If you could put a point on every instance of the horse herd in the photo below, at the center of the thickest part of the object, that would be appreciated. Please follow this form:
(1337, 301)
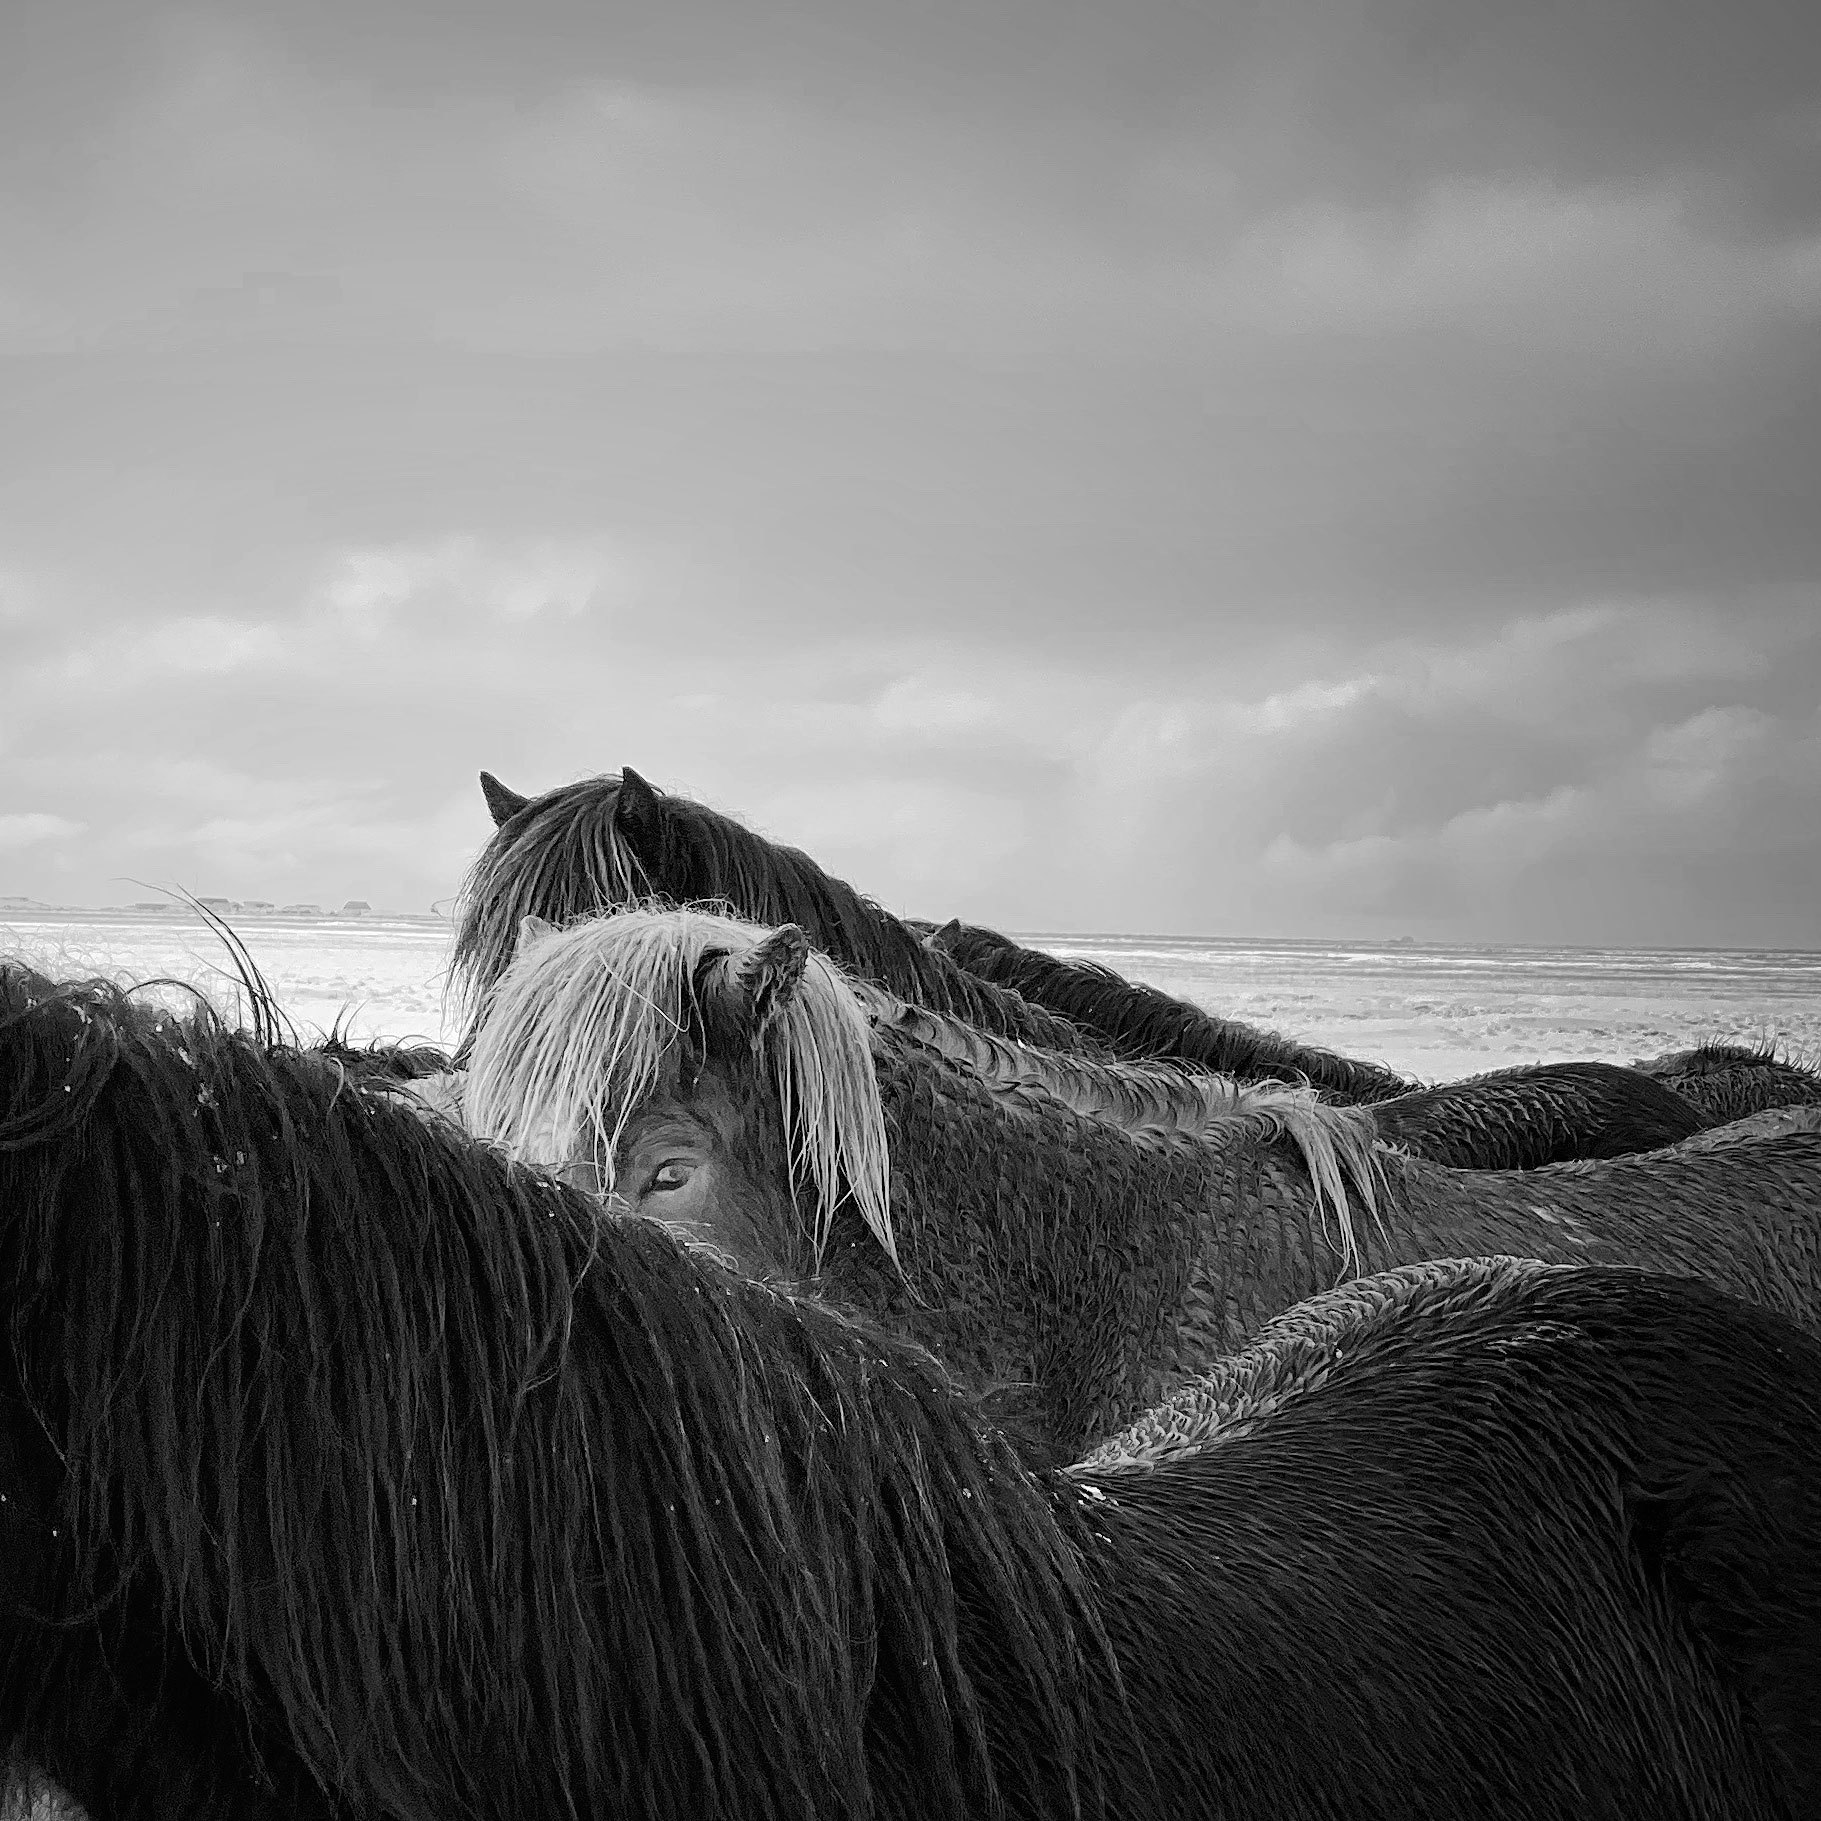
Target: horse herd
(791, 1361)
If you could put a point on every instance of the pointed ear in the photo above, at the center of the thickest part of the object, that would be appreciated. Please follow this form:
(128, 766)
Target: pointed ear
(534, 931)
(762, 981)
(943, 939)
(502, 804)
(636, 802)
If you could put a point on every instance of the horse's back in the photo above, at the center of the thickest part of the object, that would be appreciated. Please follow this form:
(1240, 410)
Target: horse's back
(1524, 1118)
(1745, 1216)
(1548, 1550)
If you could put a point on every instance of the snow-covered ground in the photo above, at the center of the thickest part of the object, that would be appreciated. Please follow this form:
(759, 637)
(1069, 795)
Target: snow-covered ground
(1440, 1012)
(382, 975)
(1430, 1011)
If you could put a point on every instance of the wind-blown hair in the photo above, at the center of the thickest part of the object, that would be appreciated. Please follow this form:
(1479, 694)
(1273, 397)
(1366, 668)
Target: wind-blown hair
(471, 1504)
(1139, 1020)
(583, 1027)
(586, 847)
(383, 1059)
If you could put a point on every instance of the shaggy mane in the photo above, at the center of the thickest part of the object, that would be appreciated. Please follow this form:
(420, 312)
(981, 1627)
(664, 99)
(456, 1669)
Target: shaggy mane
(1707, 1057)
(579, 1033)
(560, 858)
(482, 1505)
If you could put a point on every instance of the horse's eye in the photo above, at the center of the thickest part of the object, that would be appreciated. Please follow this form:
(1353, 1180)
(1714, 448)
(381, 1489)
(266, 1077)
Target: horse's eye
(671, 1175)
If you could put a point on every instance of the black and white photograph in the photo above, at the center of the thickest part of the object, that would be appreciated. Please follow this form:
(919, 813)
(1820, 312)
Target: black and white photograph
(910, 912)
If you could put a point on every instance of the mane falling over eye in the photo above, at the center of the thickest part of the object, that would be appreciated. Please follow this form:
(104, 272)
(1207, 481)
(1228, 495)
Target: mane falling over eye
(580, 1033)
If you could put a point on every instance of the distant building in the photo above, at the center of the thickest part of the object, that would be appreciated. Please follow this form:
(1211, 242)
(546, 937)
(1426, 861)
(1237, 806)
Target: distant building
(301, 910)
(150, 904)
(355, 907)
(220, 906)
(261, 907)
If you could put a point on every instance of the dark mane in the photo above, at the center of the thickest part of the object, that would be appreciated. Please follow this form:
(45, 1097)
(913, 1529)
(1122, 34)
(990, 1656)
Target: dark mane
(471, 1504)
(580, 849)
(1707, 1058)
(1140, 1021)
(383, 1059)
(1729, 1081)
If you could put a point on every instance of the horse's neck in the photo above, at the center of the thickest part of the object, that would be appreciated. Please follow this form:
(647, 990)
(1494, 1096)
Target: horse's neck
(1037, 1244)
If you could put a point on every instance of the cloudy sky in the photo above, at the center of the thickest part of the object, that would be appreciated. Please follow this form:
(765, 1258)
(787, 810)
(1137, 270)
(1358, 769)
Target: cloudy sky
(1313, 467)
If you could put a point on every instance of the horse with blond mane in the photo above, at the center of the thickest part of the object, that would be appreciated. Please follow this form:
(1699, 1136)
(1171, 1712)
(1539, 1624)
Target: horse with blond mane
(351, 1471)
(1072, 1260)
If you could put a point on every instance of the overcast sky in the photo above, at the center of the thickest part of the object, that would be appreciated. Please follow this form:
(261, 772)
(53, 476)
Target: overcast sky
(1321, 467)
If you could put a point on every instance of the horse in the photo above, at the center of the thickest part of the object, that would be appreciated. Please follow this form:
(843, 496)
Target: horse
(585, 847)
(439, 1495)
(1071, 1268)
(1729, 1081)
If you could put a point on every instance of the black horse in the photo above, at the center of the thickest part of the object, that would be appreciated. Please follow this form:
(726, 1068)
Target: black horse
(366, 1475)
(587, 847)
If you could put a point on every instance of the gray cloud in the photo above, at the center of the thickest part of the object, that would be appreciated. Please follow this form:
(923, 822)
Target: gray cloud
(1296, 467)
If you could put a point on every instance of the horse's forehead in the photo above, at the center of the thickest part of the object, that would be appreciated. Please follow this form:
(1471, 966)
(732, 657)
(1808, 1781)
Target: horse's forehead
(695, 1097)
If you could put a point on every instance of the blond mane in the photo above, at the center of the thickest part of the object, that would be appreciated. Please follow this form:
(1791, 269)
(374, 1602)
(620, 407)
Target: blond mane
(578, 1033)
(1337, 1144)
(1339, 1147)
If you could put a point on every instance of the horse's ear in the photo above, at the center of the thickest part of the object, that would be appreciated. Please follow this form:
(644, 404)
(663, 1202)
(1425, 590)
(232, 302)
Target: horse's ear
(635, 803)
(943, 939)
(764, 979)
(533, 932)
(502, 804)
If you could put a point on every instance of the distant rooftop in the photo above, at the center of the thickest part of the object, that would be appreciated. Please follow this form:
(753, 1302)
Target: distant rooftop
(19, 904)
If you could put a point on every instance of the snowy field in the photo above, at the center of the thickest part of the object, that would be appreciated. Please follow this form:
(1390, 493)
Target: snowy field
(1434, 1012)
